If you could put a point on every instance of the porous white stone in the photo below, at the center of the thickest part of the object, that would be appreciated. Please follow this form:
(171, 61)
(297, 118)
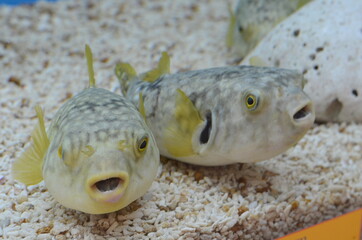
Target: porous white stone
(323, 40)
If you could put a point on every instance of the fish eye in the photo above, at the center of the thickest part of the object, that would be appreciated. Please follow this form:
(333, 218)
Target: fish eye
(142, 144)
(251, 101)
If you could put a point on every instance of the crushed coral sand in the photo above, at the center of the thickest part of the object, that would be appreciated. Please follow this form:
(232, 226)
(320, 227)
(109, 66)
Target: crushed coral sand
(42, 62)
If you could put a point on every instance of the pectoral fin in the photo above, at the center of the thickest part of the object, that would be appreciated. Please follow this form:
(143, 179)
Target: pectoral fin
(125, 73)
(180, 130)
(28, 167)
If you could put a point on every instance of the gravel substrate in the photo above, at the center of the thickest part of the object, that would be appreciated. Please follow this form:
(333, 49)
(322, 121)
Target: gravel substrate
(42, 62)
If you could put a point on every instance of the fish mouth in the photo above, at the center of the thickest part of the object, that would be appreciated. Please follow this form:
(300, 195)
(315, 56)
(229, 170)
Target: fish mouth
(108, 187)
(304, 114)
(109, 184)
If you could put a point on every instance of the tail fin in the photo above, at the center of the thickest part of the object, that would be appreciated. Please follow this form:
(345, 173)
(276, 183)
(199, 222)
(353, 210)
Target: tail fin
(28, 167)
(89, 57)
(125, 73)
(162, 68)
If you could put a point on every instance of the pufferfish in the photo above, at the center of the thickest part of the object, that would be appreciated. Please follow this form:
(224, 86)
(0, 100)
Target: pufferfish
(252, 20)
(221, 115)
(98, 154)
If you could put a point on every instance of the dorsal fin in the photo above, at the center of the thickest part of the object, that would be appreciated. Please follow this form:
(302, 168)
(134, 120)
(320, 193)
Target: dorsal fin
(182, 127)
(162, 68)
(125, 73)
(89, 57)
(231, 28)
(28, 167)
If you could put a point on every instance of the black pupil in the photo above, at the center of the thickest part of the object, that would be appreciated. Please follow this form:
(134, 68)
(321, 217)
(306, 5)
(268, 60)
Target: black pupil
(250, 101)
(143, 144)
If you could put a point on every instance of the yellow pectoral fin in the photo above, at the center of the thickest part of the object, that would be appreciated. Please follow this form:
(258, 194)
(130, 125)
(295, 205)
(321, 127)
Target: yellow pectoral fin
(162, 68)
(125, 73)
(179, 132)
(28, 167)
(125, 70)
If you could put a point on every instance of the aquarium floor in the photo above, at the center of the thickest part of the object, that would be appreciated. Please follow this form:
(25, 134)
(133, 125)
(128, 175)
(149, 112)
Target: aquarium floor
(42, 62)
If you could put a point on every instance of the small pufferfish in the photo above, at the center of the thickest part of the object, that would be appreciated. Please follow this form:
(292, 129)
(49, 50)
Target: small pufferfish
(98, 154)
(253, 20)
(221, 115)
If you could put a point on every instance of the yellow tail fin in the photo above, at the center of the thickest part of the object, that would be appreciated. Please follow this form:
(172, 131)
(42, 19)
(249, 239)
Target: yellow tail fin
(162, 68)
(28, 167)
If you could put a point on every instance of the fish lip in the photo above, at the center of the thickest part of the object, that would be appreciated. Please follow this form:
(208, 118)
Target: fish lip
(115, 198)
(111, 196)
(303, 114)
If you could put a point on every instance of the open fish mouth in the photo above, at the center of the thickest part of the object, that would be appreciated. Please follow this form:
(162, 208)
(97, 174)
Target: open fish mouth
(304, 113)
(108, 187)
(109, 184)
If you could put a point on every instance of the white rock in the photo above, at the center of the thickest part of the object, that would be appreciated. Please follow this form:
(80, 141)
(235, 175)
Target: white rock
(324, 41)
(59, 228)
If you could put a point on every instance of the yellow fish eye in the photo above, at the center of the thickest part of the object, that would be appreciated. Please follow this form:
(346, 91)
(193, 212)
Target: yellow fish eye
(251, 101)
(142, 144)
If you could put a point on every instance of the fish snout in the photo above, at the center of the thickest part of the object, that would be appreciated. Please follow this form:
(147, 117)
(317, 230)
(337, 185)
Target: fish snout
(108, 187)
(303, 114)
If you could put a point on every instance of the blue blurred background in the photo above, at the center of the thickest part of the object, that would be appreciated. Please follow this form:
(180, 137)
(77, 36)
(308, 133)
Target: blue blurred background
(18, 2)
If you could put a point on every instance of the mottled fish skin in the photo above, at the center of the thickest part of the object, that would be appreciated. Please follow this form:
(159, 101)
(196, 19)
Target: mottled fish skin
(85, 138)
(98, 154)
(237, 134)
(255, 18)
